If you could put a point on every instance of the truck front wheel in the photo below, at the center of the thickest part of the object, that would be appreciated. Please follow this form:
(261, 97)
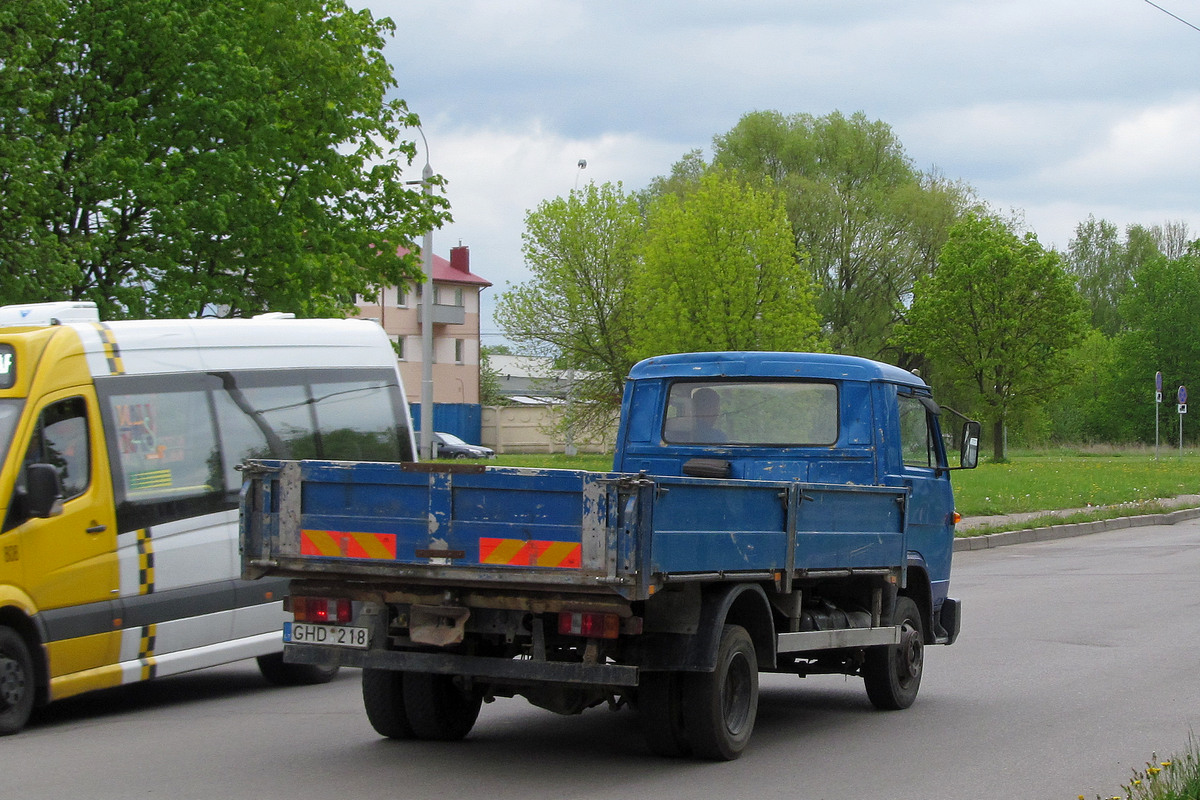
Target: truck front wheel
(383, 699)
(893, 673)
(17, 686)
(438, 708)
(719, 707)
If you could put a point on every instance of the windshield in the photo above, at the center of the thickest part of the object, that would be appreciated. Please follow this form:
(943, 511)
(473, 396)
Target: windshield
(752, 413)
(450, 438)
(10, 412)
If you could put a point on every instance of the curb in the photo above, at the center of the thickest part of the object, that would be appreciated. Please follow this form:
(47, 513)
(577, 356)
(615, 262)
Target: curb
(989, 540)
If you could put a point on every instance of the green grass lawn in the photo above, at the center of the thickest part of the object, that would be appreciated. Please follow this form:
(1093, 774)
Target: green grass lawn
(1030, 481)
(1052, 481)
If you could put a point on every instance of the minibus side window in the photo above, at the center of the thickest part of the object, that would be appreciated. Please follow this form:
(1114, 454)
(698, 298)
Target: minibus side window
(356, 421)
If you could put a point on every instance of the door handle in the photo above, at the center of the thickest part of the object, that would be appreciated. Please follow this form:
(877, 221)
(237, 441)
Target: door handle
(97, 529)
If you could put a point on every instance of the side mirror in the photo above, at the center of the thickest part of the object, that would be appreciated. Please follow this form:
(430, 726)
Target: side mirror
(44, 493)
(969, 454)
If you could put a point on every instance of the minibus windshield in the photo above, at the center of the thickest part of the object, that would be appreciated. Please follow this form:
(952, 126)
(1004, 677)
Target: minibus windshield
(10, 412)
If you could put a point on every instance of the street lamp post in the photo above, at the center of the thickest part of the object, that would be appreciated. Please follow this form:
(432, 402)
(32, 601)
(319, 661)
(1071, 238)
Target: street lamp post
(425, 435)
(427, 324)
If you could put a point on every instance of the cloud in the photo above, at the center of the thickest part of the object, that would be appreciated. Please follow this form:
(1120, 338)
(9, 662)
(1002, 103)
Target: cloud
(1155, 147)
(494, 176)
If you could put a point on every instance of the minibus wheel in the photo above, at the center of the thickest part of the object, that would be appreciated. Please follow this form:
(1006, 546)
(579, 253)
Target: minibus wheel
(17, 686)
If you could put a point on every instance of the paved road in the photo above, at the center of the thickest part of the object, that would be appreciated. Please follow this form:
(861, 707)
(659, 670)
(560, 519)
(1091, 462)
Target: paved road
(1079, 658)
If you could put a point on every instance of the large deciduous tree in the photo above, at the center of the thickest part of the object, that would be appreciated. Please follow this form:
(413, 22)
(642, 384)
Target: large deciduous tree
(867, 222)
(1000, 314)
(163, 157)
(1162, 336)
(719, 272)
(581, 251)
(1096, 256)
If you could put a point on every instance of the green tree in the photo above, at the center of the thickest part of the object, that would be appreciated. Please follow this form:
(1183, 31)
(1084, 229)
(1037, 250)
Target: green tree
(719, 272)
(866, 221)
(1096, 256)
(165, 156)
(1000, 314)
(581, 251)
(1162, 336)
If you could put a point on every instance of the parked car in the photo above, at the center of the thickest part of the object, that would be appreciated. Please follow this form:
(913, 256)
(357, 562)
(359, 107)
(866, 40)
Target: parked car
(447, 445)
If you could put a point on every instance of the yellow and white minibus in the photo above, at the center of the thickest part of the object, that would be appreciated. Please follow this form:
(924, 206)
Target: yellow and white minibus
(119, 445)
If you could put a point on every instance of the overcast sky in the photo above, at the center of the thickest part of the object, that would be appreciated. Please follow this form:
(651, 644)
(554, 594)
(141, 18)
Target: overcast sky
(1056, 109)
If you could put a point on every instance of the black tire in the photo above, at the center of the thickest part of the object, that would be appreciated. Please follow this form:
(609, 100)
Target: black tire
(18, 686)
(437, 708)
(719, 707)
(893, 673)
(280, 673)
(660, 713)
(383, 699)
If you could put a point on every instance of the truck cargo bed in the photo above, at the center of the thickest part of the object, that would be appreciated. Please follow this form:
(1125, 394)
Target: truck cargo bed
(555, 529)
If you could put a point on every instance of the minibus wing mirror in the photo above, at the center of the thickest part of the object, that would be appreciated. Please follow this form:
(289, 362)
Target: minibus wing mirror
(44, 490)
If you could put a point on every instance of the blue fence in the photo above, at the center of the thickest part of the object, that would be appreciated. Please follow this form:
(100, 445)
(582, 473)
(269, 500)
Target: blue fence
(464, 420)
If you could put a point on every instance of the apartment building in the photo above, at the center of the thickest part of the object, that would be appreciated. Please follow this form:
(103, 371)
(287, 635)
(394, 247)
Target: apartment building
(456, 322)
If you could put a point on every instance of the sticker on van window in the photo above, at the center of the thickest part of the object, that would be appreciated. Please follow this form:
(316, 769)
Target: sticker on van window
(8, 366)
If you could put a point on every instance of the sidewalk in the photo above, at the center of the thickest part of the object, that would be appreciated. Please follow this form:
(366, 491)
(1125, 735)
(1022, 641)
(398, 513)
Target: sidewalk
(1176, 509)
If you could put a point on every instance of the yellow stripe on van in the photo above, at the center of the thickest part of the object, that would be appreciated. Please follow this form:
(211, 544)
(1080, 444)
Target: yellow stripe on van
(112, 353)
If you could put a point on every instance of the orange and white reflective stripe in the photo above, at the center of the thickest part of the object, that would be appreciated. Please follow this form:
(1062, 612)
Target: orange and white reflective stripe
(341, 544)
(519, 552)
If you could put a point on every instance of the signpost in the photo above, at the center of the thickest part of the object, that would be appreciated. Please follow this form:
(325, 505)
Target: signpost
(1182, 409)
(1157, 401)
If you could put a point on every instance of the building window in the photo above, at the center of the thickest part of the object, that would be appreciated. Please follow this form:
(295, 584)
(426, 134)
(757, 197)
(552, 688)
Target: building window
(459, 346)
(398, 345)
(448, 295)
(402, 297)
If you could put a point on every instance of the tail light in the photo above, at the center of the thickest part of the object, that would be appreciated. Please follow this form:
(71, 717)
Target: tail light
(322, 610)
(591, 624)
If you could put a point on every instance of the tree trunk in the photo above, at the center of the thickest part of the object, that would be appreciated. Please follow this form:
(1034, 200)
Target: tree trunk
(998, 452)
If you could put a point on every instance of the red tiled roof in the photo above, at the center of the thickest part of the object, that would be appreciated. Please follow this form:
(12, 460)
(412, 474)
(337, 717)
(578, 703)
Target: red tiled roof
(446, 272)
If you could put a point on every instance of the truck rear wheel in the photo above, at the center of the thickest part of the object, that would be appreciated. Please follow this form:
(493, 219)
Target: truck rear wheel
(383, 699)
(438, 708)
(719, 707)
(17, 685)
(660, 713)
(893, 673)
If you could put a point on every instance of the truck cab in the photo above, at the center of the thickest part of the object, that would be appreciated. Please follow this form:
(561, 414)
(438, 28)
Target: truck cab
(807, 417)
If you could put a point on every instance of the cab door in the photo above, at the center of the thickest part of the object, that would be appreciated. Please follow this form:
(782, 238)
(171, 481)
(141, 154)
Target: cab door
(922, 469)
(69, 559)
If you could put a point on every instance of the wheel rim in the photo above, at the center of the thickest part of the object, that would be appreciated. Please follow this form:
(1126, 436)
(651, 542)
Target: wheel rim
(12, 682)
(735, 694)
(910, 655)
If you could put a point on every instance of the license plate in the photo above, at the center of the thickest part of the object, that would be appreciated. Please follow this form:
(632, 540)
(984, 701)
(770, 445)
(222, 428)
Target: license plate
(336, 635)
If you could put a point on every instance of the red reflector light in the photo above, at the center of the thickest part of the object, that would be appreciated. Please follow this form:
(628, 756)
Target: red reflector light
(591, 624)
(322, 610)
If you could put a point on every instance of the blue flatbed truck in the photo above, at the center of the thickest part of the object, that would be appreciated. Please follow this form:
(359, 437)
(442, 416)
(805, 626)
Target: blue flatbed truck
(766, 512)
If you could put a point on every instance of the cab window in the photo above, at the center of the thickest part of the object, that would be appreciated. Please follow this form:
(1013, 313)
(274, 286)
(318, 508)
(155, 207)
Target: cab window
(916, 440)
(61, 439)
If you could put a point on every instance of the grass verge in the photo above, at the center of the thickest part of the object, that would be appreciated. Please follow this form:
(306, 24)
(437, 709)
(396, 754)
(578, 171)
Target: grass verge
(1176, 778)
